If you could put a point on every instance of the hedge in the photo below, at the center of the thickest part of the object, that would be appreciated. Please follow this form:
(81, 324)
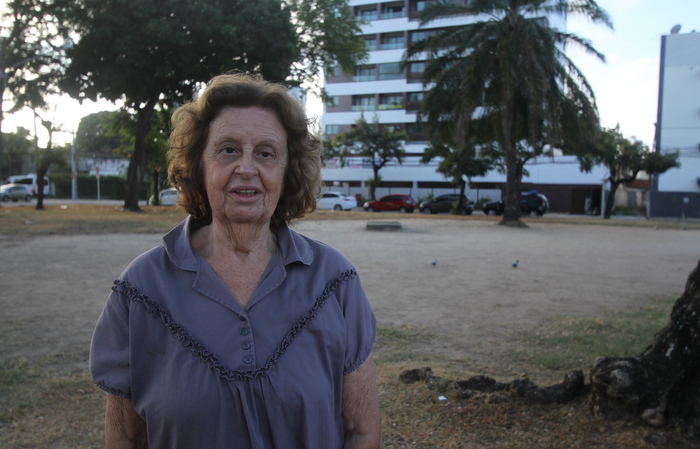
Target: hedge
(111, 187)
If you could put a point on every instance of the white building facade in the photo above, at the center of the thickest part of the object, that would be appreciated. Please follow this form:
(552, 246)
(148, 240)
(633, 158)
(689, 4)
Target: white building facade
(381, 88)
(676, 193)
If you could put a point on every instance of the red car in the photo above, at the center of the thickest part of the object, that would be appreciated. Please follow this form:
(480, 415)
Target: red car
(394, 202)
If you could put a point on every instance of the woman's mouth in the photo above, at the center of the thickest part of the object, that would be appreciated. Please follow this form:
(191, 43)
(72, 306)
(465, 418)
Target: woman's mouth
(246, 192)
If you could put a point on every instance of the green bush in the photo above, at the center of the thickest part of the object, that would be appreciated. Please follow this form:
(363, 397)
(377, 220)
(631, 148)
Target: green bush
(111, 187)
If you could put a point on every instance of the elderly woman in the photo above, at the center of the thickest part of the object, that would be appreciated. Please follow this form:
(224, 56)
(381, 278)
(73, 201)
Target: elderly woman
(237, 331)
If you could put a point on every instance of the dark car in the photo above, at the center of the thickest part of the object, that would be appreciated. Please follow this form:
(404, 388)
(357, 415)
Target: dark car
(534, 203)
(530, 202)
(394, 202)
(493, 208)
(446, 203)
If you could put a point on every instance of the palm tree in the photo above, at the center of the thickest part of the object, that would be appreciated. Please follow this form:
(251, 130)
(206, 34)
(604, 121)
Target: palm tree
(505, 79)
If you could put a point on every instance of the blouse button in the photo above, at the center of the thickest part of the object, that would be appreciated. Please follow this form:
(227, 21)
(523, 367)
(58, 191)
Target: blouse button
(248, 359)
(241, 317)
(244, 331)
(246, 345)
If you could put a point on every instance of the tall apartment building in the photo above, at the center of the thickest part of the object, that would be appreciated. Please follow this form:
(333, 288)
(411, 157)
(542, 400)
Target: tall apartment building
(382, 88)
(676, 193)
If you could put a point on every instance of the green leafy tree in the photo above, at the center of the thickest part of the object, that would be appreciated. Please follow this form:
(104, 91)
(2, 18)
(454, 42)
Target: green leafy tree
(112, 134)
(505, 79)
(99, 134)
(16, 146)
(373, 142)
(624, 159)
(457, 164)
(151, 52)
(32, 40)
(147, 52)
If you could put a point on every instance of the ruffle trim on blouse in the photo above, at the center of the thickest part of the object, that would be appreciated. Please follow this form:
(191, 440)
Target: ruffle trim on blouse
(199, 350)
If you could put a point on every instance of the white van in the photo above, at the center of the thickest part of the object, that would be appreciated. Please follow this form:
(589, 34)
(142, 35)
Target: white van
(30, 181)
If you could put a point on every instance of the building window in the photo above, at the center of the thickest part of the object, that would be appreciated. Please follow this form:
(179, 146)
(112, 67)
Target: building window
(393, 128)
(331, 130)
(390, 71)
(417, 67)
(365, 73)
(363, 103)
(333, 101)
(390, 101)
(416, 97)
(415, 71)
(333, 72)
(417, 7)
(415, 132)
(391, 41)
(393, 11)
(418, 36)
(366, 12)
(371, 42)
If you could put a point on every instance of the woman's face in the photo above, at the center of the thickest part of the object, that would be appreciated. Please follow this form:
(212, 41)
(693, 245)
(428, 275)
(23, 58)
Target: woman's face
(244, 164)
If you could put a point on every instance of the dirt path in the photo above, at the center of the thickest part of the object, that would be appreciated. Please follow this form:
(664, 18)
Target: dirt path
(52, 288)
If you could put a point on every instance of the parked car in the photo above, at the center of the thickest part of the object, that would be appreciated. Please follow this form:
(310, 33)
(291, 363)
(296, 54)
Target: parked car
(445, 203)
(534, 203)
(167, 197)
(15, 192)
(395, 202)
(531, 202)
(30, 181)
(336, 201)
(493, 208)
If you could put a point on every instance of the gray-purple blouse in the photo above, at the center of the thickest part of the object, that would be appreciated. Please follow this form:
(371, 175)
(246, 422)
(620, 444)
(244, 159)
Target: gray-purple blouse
(204, 373)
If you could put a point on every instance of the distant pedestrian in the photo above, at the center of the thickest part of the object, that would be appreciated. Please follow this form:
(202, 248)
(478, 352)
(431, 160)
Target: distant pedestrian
(587, 205)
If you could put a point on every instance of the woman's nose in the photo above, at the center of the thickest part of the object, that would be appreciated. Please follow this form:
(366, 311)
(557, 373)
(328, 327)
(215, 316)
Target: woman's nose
(245, 165)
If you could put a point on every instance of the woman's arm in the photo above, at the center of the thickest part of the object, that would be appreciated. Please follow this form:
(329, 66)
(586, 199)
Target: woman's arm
(124, 428)
(361, 416)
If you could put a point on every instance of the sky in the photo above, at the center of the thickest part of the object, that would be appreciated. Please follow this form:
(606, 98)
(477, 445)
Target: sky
(626, 86)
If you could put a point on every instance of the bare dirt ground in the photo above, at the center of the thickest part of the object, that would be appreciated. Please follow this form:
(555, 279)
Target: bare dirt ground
(52, 288)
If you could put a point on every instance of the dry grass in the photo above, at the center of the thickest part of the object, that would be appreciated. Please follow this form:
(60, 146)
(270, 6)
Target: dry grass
(40, 409)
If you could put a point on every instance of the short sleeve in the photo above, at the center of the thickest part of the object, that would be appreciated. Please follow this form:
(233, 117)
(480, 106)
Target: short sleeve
(109, 350)
(360, 324)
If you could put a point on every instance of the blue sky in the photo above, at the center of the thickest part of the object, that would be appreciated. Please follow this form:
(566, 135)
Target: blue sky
(626, 87)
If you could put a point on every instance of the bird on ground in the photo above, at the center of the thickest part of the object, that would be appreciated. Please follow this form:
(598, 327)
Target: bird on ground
(434, 262)
(516, 263)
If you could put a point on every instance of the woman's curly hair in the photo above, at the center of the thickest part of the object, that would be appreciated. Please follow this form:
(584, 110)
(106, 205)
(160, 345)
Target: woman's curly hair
(191, 121)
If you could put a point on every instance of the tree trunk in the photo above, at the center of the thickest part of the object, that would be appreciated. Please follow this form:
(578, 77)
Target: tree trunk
(40, 174)
(662, 384)
(610, 200)
(137, 164)
(375, 180)
(156, 188)
(511, 211)
(461, 207)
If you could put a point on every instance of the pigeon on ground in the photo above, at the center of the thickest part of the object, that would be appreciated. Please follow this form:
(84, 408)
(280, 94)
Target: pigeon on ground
(434, 262)
(516, 263)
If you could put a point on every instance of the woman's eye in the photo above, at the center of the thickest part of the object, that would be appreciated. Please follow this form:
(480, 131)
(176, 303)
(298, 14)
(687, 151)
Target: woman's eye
(228, 150)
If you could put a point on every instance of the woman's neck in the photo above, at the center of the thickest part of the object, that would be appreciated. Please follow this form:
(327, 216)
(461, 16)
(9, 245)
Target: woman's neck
(239, 239)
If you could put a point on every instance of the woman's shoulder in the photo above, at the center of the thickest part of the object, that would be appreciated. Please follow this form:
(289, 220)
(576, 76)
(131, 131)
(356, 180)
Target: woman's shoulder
(322, 253)
(145, 264)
